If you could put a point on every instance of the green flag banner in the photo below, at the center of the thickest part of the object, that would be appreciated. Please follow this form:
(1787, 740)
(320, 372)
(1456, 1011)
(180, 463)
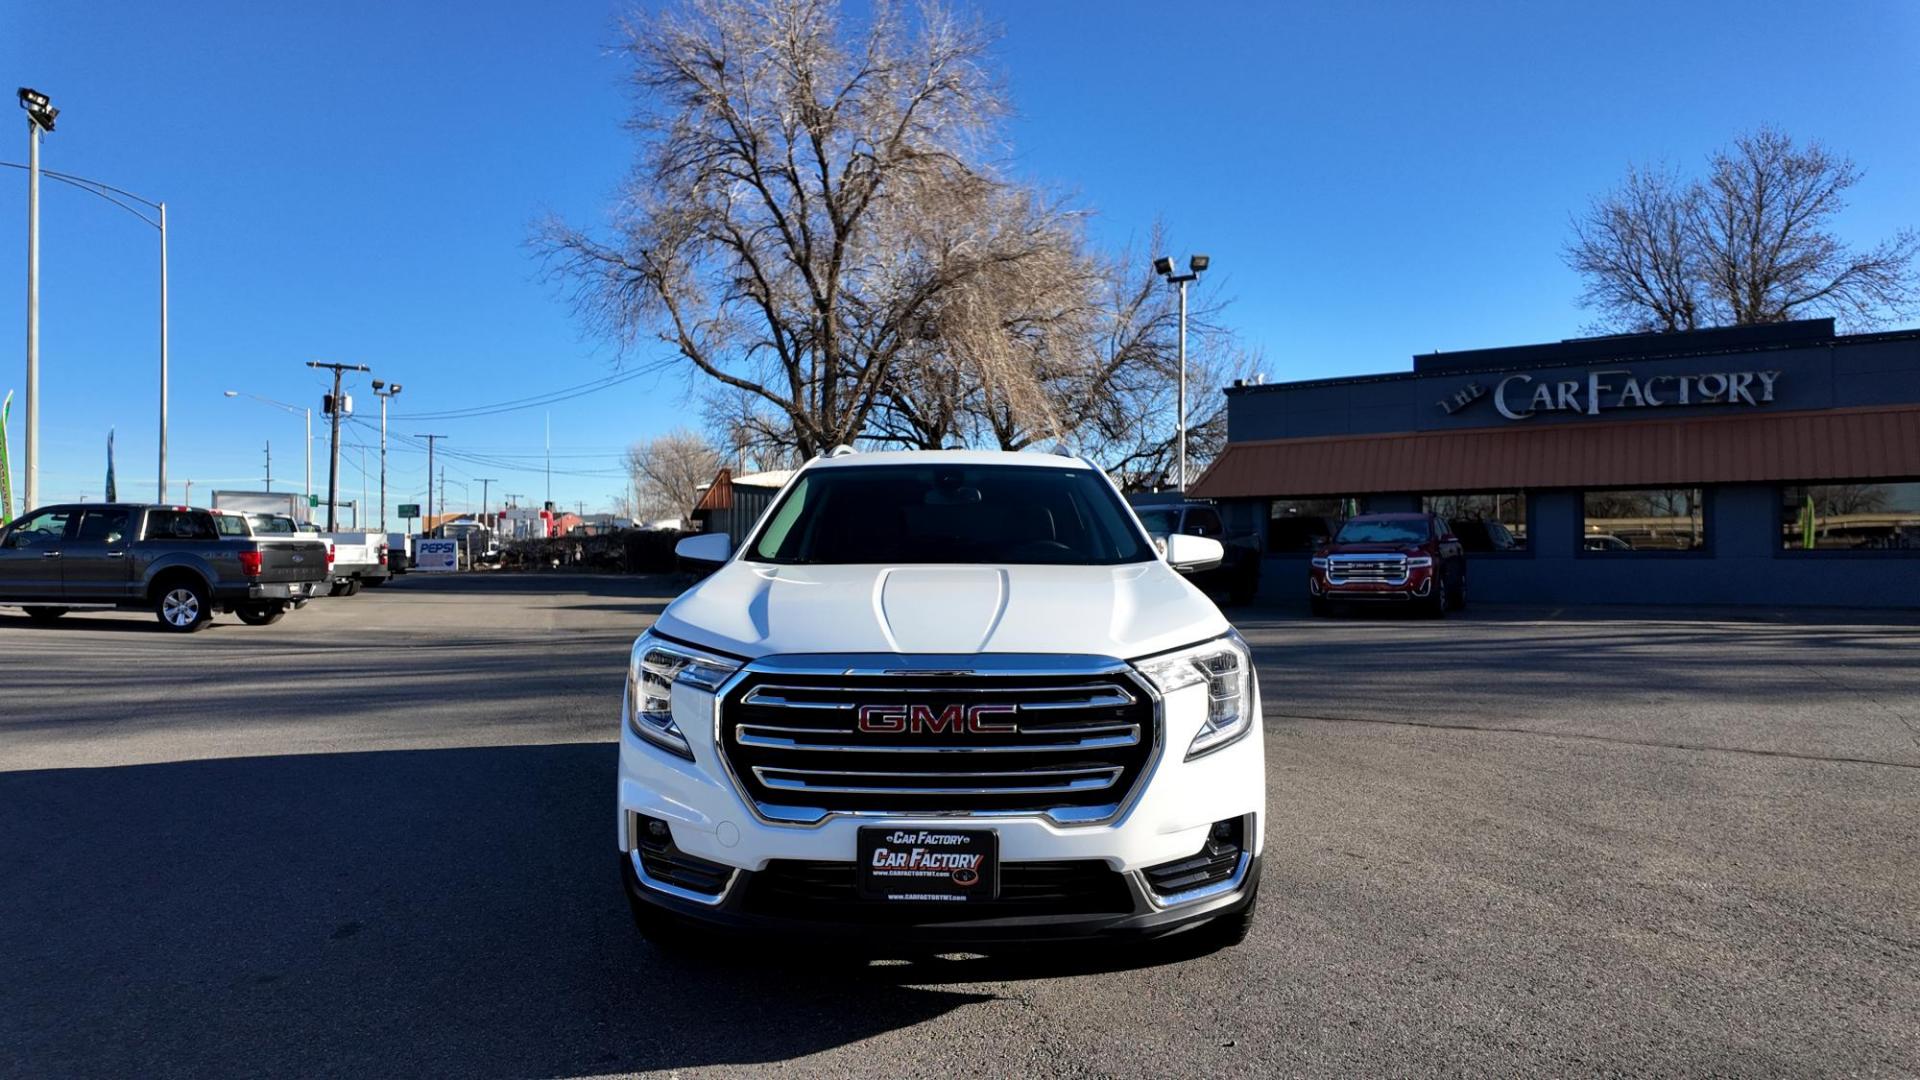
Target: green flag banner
(6, 467)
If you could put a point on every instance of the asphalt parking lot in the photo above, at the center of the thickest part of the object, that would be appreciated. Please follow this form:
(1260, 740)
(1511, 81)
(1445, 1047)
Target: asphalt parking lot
(377, 839)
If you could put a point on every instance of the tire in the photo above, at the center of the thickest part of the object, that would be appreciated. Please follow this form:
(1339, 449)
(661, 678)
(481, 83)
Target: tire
(181, 606)
(1459, 594)
(45, 614)
(1230, 930)
(261, 614)
(1436, 604)
(351, 588)
(338, 588)
(1320, 606)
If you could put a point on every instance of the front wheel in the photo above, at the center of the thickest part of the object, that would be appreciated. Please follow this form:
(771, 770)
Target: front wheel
(182, 607)
(1437, 603)
(45, 614)
(261, 614)
(1459, 594)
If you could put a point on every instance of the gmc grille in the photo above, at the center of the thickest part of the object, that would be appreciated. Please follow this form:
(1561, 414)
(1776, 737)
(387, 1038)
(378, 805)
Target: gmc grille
(796, 747)
(1390, 569)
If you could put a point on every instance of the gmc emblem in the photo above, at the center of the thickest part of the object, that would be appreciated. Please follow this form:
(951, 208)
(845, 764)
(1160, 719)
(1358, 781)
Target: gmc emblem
(954, 719)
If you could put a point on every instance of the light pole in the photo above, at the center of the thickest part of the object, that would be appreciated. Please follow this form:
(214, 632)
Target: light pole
(1196, 265)
(383, 391)
(292, 409)
(40, 117)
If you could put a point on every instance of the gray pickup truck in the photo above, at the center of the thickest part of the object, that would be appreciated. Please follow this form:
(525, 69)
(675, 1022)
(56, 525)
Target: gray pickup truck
(170, 560)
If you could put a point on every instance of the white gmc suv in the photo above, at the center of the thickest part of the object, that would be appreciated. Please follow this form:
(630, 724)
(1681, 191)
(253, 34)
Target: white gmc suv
(943, 697)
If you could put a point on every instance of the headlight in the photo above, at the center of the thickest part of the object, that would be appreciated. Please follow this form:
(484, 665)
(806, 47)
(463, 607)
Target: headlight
(1420, 560)
(1225, 668)
(1319, 563)
(652, 669)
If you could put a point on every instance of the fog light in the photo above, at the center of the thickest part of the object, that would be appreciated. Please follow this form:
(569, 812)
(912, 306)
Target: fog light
(1207, 873)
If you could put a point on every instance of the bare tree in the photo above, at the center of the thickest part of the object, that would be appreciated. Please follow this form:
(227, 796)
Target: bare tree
(1752, 243)
(1635, 248)
(806, 202)
(667, 473)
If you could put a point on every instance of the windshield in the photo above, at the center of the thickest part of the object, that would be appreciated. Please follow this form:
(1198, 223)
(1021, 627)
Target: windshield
(950, 514)
(1363, 531)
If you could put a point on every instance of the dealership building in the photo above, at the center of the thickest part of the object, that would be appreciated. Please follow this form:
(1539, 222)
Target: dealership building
(1749, 465)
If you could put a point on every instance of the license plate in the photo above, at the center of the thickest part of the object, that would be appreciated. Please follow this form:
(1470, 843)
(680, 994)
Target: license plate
(940, 865)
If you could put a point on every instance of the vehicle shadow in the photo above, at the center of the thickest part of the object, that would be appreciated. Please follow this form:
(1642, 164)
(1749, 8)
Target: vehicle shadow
(453, 912)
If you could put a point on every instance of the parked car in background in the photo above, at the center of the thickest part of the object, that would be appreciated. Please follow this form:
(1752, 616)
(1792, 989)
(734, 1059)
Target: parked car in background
(1604, 542)
(171, 560)
(1399, 558)
(1238, 575)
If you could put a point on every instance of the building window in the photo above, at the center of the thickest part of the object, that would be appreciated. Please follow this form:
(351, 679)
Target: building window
(1850, 517)
(1649, 519)
(1491, 521)
(1301, 525)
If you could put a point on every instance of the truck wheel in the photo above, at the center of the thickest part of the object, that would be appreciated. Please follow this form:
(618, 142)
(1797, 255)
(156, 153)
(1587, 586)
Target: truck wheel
(45, 614)
(1436, 604)
(1459, 593)
(351, 588)
(261, 614)
(181, 606)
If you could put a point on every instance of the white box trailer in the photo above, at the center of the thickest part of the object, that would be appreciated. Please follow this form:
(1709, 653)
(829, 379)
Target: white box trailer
(288, 503)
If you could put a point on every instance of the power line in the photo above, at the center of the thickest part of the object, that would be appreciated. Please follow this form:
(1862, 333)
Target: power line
(533, 402)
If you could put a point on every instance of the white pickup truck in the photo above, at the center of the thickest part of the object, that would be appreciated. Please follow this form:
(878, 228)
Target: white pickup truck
(946, 698)
(359, 558)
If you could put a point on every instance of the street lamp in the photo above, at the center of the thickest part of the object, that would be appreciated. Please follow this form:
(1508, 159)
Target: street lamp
(383, 391)
(1196, 265)
(40, 117)
(292, 409)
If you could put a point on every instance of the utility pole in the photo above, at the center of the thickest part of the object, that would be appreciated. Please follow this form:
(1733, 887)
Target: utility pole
(40, 115)
(443, 489)
(485, 483)
(269, 464)
(161, 485)
(335, 406)
(426, 523)
(361, 505)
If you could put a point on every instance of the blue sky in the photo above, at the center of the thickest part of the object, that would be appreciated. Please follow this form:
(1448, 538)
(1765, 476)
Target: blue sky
(357, 183)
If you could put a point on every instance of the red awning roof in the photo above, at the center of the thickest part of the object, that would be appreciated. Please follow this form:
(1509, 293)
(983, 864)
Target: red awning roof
(1836, 444)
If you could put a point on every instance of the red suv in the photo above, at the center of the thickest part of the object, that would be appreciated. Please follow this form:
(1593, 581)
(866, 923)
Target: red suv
(1410, 558)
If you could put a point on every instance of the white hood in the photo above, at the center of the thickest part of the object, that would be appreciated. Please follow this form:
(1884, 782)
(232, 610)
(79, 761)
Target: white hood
(758, 609)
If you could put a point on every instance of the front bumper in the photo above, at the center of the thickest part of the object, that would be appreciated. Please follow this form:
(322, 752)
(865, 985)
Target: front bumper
(1177, 803)
(1136, 914)
(1417, 586)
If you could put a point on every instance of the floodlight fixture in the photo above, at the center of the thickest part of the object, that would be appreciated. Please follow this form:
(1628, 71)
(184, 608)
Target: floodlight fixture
(1197, 263)
(1163, 265)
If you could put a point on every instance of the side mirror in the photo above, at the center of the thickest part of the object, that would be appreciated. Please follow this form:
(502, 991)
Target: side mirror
(1191, 554)
(705, 548)
(1449, 539)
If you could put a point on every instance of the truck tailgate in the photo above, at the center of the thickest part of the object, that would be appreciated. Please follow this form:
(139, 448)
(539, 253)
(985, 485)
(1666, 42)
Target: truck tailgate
(292, 561)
